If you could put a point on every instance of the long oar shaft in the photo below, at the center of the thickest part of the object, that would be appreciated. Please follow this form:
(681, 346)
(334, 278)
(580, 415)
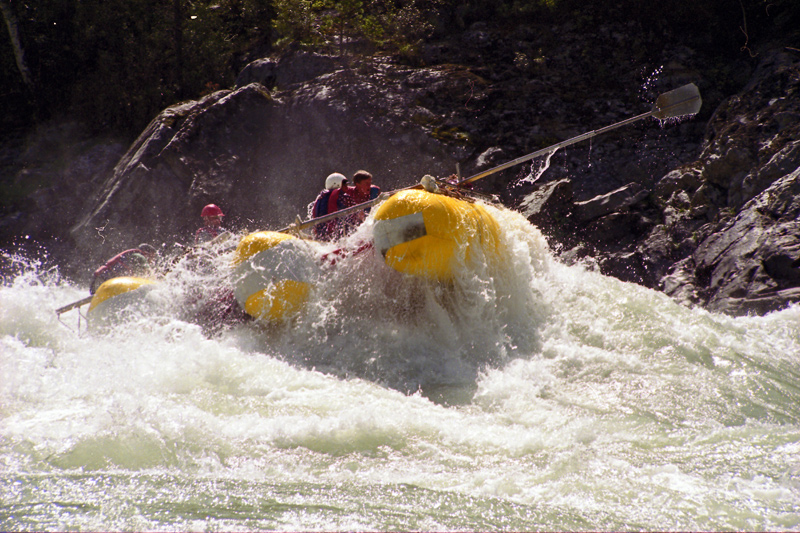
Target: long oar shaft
(682, 101)
(543, 151)
(297, 226)
(73, 305)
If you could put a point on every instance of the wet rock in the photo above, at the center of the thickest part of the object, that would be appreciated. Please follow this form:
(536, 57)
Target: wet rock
(261, 156)
(682, 180)
(725, 234)
(552, 200)
(611, 202)
(262, 71)
(752, 264)
(700, 209)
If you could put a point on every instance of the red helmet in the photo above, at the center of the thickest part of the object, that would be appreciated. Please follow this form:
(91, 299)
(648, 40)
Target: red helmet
(211, 210)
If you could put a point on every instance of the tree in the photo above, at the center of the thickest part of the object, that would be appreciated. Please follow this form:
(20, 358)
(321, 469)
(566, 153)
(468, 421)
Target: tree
(19, 51)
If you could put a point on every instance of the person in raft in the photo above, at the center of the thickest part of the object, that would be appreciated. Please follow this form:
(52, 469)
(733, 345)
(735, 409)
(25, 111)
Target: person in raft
(335, 196)
(212, 224)
(133, 262)
(364, 190)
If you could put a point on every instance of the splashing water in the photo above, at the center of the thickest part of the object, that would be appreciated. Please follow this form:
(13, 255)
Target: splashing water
(527, 395)
(537, 169)
(649, 85)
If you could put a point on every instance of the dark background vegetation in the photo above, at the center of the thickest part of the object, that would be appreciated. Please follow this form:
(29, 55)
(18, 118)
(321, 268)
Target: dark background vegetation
(112, 65)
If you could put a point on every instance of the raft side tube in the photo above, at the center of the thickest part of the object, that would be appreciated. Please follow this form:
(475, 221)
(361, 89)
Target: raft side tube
(425, 234)
(116, 298)
(115, 287)
(274, 274)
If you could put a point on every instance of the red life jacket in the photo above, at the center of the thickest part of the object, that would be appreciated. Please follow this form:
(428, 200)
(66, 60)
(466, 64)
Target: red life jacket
(341, 198)
(206, 233)
(360, 197)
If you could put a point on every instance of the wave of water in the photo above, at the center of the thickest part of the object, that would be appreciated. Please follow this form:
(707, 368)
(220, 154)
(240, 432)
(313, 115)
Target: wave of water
(530, 395)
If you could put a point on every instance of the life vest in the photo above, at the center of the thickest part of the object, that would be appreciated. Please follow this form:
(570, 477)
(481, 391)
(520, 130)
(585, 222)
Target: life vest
(321, 204)
(326, 230)
(207, 233)
(341, 198)
(331, 201)
(359, 198)
(131, 262)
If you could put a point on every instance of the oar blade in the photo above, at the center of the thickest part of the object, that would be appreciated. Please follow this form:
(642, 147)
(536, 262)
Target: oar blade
(678, 102)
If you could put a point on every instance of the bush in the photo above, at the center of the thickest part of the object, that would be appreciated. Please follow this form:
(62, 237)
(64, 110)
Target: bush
(117, 63)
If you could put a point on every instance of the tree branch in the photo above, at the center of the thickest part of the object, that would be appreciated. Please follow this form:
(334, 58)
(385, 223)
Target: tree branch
(13, 31)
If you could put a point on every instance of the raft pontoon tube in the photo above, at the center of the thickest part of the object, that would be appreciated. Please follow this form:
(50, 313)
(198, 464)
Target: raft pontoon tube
(432, 235)
(273, 274)
(115, 295)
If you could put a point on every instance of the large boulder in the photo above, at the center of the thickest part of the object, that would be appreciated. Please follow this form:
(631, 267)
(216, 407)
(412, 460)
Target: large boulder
(721, 231)
(263, 156)
(742, 208)
(752, 265)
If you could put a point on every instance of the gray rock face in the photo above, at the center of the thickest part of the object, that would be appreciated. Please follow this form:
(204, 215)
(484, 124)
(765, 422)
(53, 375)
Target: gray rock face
(748, 193)
(289, 70)
(753, 263)
(611, 202)
(722, 232)
(711, 221)
(261, 156)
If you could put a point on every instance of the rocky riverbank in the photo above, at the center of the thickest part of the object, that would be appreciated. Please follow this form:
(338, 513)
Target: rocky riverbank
(705, 209)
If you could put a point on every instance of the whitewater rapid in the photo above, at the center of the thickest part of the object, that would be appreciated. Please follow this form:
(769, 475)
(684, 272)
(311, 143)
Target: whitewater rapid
(528, 395)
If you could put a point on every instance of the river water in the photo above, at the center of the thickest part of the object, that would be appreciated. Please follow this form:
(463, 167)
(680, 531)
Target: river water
(528, 395)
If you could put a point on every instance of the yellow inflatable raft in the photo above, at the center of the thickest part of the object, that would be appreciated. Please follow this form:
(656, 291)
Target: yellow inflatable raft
(117, 295)
(273, 274)
(433, 235)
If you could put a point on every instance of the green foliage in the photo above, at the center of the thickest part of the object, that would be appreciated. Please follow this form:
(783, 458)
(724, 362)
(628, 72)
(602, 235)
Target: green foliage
(117, 63)
(451, 134)
(391, 25)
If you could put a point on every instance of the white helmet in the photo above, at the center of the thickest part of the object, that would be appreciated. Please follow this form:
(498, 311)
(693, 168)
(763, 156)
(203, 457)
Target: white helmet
(334, 181)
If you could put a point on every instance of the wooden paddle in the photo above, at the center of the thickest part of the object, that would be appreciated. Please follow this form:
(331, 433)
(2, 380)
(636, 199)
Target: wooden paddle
(301, 225)
(73, 305)
(676, 103)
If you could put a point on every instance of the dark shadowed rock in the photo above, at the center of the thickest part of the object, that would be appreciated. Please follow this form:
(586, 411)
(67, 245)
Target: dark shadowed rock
(611, 202)
(755, 259)
(262, 71)
(291, 68)
(64, 165)
(550, 205)
(723, 230)
(262, 157)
